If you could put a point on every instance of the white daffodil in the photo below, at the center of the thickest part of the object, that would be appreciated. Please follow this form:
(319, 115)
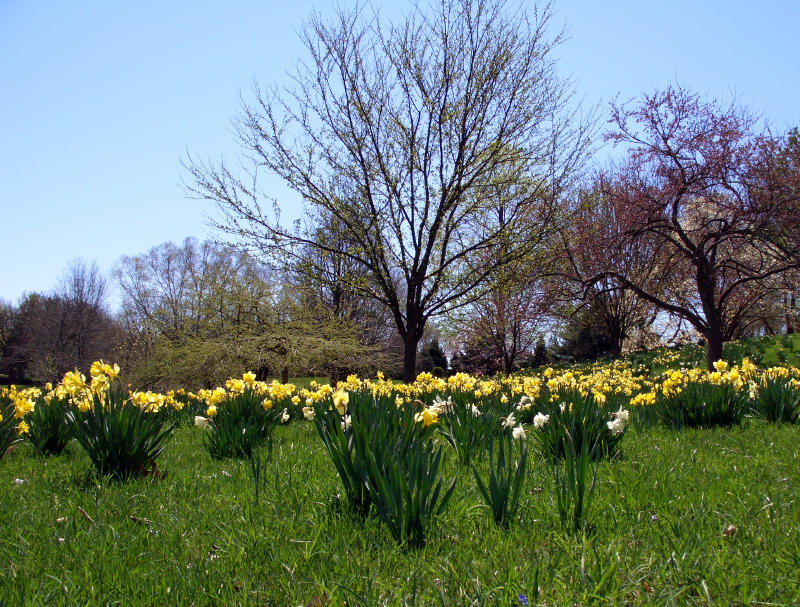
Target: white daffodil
(622, 414)
(540, 419)
(200, 421)
(475, 411)
(519, 433)
(285, 416)
(345, 422)
(308, 413)
(617, 426)
(510, 421)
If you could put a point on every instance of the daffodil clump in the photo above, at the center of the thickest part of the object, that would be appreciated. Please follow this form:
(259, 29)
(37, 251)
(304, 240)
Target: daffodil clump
(123, 433)
(14, 406)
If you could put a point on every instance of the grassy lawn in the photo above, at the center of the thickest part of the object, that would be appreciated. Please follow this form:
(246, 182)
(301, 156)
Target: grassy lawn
(689, 517)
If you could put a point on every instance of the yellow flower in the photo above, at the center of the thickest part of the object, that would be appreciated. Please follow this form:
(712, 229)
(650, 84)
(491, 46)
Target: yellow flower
(340, 401)
(266, 403)
(249, 379)
(720, 365)
(22, 427)
(211, 411)
(427, 417)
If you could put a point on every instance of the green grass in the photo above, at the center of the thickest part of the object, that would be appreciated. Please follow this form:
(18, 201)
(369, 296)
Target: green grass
(200, 537)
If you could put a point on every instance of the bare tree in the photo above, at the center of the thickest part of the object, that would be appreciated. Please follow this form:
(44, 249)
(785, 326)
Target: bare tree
(401, 133)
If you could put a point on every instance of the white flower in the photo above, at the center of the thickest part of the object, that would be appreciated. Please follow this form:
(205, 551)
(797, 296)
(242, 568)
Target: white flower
(285, 416)
(622, 414)
(308, 413)
(519, 433)
(508, 422)
(475, 411)
(540, 419)
(563, 407)
(200, 421)
(345, 422)
(617, 426)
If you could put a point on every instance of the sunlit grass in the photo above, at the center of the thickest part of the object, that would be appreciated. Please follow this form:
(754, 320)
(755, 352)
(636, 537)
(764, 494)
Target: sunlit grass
(689, 517)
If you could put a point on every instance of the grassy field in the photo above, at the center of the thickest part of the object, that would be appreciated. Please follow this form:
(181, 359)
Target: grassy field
(689, 517)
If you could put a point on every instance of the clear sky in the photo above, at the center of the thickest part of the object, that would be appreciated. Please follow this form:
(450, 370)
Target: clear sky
(100, 101)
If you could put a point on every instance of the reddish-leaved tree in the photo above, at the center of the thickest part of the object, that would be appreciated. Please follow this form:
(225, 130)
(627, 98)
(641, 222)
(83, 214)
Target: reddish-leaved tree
(715, 199)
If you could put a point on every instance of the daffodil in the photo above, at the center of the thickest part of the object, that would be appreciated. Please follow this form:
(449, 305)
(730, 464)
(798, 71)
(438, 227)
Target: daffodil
(540, 419)
(340, 401)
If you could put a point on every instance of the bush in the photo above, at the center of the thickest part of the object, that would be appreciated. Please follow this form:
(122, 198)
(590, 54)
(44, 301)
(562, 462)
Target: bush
(240, 424)
(8, 426)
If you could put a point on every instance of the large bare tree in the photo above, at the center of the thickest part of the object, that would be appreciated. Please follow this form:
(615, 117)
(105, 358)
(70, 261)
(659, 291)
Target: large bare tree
(404, 134)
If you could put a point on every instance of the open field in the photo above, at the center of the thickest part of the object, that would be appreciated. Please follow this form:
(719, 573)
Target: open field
(657, 533)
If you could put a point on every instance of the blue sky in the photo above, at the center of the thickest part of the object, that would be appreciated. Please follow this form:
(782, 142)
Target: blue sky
(101, 100)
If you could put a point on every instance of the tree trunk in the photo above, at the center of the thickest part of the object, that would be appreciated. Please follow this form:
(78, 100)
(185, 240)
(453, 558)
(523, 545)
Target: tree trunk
(285, 375)
(410, 355)
(714, 354)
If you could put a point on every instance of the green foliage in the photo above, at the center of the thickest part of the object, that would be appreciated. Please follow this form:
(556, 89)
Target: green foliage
(121, 439)
(47, 426)
(469, 429)
(403, 473)
(571, 478)
(337, 437)
(502, 489)
(702, 405)
(240, 425)
(673, 494)
(778, 401)
(387, 459)
(8, 426)
(576, 422)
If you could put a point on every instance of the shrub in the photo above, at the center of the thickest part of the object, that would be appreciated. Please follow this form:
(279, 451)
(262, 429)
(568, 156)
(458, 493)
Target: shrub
(8, 426)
